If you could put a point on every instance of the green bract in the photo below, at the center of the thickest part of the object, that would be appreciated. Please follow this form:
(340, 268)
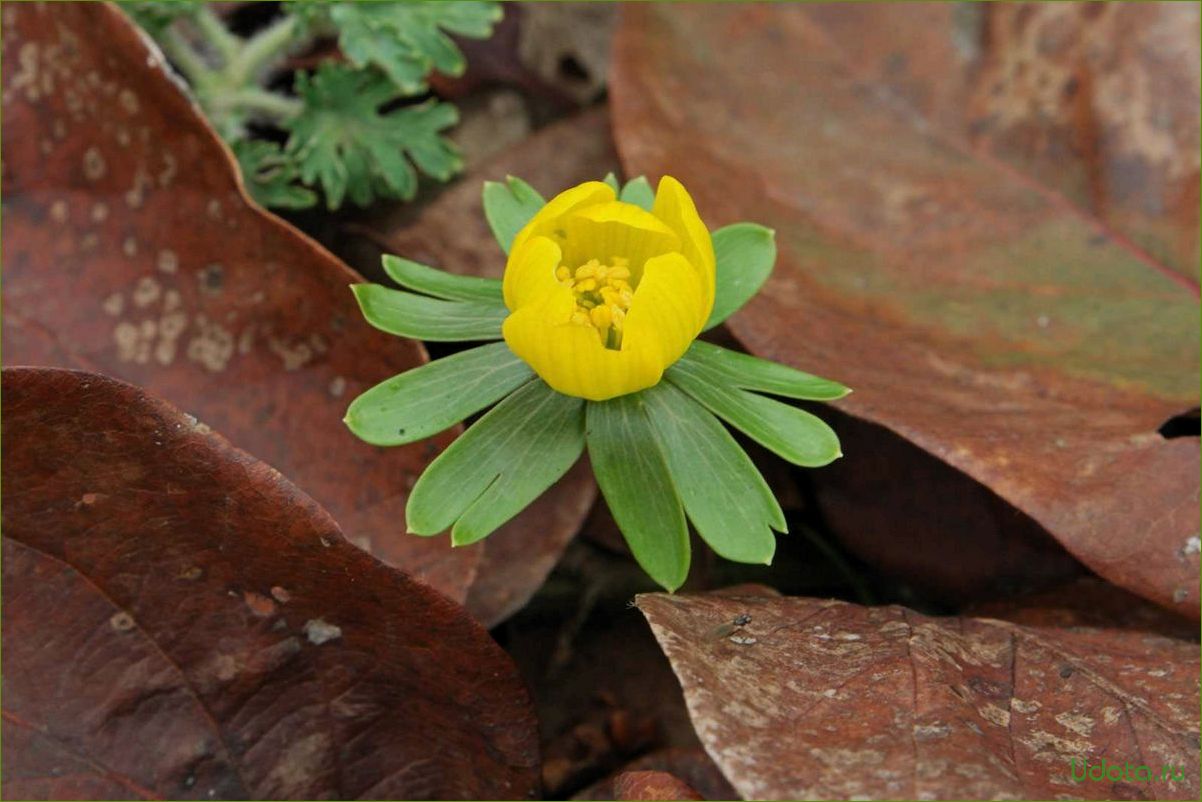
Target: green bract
(662, 457)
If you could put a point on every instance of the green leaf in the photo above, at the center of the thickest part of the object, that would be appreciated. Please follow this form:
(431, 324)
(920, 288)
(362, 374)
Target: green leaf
(724, 495)
(341, 141)
(719, 365)
(427, 400)
(794, 434)
(499, 466)
(508, 208)
(270, 175)
(423, 318)
(612, 180)
(745, 253)
(405, 39)
(639, 192)
(441, 284)
(633, 477)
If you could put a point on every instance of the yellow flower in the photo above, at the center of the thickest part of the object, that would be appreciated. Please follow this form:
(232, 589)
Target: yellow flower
(604, 296)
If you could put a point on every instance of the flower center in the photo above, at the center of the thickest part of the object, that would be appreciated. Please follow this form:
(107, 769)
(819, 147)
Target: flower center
(603, 294)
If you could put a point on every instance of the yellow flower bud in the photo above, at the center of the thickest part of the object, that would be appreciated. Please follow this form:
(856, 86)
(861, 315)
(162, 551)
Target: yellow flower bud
(604, 296)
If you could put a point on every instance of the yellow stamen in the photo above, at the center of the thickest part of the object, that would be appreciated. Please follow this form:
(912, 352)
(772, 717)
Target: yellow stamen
(601, 316)
(603, 296)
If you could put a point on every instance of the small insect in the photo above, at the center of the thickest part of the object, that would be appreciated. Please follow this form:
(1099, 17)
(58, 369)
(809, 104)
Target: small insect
(730, 628)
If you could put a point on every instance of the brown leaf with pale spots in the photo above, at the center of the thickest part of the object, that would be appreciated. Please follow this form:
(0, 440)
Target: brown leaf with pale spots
(975, 309)
(180, 621)
(813, 699)
(130, 249)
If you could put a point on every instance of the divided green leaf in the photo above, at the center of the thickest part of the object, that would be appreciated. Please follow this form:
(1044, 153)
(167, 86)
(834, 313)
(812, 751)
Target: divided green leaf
(425, 318)
(509, 207)
(718, 365)
(745, 254)
(724, 494)
(405, 40)
(440, 284)
(499, 466)
(633, 476)
(343, 141)
(796, 435)
(427, 400)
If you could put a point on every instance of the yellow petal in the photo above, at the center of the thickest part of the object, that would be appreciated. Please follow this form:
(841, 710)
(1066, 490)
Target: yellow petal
(545, 222)
(530, 272)
(571, 358)
(674, 206)
(669, 307)
(607, 230)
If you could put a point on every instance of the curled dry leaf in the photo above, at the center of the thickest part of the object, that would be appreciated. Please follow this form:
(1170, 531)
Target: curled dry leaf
(652, 785)
(692, 767)
(180, 621)
(977, 313)
(1088, 602)
(907, 529)
(131, 249)
(812, 699)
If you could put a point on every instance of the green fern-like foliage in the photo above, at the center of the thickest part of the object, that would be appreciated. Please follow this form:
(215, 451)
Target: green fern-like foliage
(361, 130)
(344, 143)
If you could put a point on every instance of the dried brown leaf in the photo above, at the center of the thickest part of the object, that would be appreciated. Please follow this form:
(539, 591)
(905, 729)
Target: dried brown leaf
(814, 699)
(182, 622)
(693, 767)
(976, 312)
(652, 785)
(131, 249)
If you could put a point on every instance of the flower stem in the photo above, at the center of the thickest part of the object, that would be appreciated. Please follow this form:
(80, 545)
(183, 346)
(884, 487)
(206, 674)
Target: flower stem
(189, 62)
(224, 43)
(260, 50)
(255, 101)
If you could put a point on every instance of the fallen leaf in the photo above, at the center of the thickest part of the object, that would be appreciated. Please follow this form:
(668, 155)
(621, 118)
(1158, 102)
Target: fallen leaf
(978, 314)
(131, 249)
(180, 621)
(603, 693)
(1098, 102)
(1087, 602)
(693, 767)
(910, 528)
(652, 785)
(814, 699)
